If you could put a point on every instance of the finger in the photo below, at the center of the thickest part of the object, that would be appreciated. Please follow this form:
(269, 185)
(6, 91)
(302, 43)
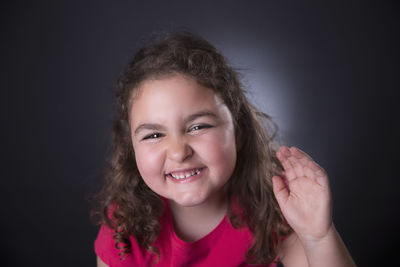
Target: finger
(301, 162)
(280, 190)
(303, 157)
(297, 165)
(320, 175)
(316, 168)
(310, 168)
(283, 154)
(308, 172)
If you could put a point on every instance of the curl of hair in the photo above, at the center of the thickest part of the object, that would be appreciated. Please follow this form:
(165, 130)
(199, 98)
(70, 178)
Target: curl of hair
(131, 208)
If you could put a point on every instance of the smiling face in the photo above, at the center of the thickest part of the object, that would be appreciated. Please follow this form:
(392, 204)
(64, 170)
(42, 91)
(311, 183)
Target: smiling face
(183, 138)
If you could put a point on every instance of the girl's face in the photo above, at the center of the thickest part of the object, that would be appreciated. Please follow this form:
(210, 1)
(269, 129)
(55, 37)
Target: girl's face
(183, 138)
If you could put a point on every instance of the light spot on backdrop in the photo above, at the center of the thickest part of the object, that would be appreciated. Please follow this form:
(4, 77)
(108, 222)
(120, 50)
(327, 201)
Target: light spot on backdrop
(265, 80)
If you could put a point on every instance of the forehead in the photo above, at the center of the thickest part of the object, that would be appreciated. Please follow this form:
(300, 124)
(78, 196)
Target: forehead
(176, 87)
(173, 95)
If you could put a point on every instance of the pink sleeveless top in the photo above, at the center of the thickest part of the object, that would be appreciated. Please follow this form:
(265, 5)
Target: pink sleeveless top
(224, 246)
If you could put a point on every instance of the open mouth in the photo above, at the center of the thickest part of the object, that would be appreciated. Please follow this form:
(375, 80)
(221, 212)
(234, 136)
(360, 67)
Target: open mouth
(185, 174)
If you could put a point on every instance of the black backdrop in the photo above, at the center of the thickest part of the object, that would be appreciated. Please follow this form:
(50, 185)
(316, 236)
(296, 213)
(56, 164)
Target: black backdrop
(327, 71)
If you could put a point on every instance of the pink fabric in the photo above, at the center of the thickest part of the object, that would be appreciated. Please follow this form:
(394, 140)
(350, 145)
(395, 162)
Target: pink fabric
(224, 246)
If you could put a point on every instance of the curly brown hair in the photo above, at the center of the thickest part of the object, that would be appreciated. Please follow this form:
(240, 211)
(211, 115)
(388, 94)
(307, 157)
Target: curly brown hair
(131, 208)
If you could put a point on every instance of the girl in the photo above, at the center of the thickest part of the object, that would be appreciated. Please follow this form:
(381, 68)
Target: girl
(194, 178)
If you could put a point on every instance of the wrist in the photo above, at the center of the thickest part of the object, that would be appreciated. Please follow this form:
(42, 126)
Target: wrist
(312, 241)
(326, 250)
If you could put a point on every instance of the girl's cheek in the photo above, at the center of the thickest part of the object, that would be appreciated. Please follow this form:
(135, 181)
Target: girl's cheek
(216, 146)
(148, 160)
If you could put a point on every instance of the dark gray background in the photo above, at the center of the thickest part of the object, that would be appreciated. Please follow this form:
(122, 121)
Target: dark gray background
(327, 71)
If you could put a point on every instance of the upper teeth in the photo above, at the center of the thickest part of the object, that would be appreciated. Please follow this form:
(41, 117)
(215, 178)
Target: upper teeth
(185, 175)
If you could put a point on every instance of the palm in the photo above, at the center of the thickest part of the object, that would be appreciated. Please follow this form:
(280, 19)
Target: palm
(306, 202)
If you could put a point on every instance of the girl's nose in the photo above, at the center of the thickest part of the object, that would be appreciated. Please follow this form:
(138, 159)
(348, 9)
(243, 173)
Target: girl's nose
(179, 150)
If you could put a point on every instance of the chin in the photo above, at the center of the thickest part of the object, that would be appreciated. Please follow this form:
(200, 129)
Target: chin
(189, 201)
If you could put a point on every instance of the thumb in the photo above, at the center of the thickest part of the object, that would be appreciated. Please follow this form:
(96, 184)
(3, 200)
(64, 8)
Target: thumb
(280, 190)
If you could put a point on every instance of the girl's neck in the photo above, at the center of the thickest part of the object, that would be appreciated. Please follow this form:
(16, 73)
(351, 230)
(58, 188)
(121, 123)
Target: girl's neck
(193, 223)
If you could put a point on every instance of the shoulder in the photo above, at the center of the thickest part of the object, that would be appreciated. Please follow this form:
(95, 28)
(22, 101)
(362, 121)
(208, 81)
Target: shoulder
(106, 249)
(292, 253)
(104, 245)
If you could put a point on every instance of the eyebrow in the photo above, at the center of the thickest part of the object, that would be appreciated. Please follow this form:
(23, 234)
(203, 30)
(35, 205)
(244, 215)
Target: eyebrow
(190, 118)
(148, 126)
(203, 113)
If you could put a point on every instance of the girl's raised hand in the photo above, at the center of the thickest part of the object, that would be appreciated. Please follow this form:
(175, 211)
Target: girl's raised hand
(304, 198)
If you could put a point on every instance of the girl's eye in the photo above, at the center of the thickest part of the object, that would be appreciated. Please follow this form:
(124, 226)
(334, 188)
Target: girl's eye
(199, 127)
(153, 136)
